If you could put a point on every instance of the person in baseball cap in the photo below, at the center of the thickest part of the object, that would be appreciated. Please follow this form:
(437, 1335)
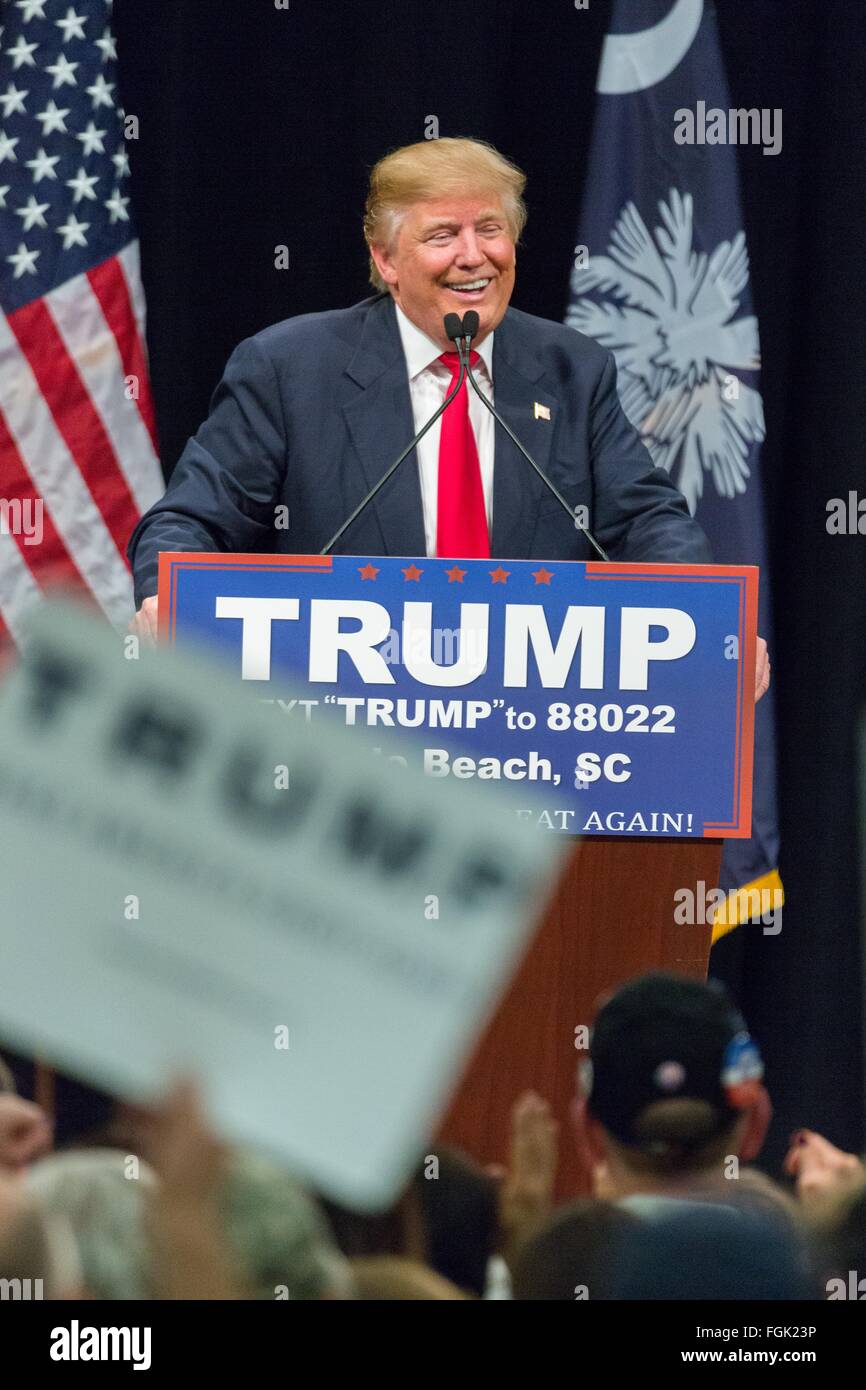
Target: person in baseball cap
(671, 1092)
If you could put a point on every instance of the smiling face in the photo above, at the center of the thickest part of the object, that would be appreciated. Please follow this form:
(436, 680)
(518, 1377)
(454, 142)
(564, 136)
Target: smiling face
(450, 255)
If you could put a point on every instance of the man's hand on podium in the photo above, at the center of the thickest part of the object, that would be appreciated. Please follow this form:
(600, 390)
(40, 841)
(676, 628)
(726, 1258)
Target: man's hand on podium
(143, 624)
(762, 668)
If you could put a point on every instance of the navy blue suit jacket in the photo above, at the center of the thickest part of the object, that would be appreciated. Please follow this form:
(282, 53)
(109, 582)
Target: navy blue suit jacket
(311, 412)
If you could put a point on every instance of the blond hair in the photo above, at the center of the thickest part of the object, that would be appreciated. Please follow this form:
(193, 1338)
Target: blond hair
(432, 169)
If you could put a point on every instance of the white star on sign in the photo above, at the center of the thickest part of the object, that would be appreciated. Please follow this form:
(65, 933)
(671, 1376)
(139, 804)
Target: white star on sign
(120, 160)
(22, 53)
(101, 92)
(117, 207)
(83, 185)
(33, 214)
(13, 100)
(24, 261)
(30, 9)
(4, 189)
(62, 71)
(91, 139)
(52, 119)
(7, 147)
(72, 232)
(72, 25)
(106, 46)
(43, 165)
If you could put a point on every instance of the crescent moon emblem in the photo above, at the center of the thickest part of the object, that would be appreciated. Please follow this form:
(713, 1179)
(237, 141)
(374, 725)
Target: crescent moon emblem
(633, 62)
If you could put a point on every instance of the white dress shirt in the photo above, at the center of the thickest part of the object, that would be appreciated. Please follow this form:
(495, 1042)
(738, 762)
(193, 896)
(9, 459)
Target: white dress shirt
(428, 385)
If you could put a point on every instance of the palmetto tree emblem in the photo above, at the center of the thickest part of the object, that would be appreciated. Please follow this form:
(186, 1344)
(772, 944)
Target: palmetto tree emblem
(667, 312)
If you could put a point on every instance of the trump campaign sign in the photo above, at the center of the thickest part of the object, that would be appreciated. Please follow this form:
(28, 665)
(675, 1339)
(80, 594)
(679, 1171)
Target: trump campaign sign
(620, 695)
(319, 950)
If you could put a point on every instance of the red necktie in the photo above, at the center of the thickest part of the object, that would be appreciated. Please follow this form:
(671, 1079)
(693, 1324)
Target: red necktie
(461, 518)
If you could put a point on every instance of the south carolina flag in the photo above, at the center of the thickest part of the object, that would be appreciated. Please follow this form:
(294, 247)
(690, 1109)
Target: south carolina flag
(661, 278)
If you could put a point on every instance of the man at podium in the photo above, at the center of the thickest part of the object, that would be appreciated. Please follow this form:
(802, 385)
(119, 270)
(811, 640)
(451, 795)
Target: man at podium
(312, 411)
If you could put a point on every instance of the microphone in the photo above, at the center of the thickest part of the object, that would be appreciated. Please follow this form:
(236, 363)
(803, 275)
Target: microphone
(452, 322)
(462, 337)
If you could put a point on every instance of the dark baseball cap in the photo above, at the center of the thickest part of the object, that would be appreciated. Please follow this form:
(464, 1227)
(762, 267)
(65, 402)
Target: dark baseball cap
(665, 1037)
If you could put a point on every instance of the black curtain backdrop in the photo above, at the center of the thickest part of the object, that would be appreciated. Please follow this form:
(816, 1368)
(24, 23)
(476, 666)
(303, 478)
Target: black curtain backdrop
(257, 128)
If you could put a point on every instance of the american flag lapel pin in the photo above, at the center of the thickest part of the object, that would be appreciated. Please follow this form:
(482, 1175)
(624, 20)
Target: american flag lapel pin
(541, 412)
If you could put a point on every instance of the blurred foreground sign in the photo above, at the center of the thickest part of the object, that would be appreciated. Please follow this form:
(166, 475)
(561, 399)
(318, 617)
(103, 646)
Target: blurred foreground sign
(314, 933)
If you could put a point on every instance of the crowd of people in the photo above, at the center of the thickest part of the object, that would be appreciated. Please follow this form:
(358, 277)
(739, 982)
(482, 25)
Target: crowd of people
(669, 1115)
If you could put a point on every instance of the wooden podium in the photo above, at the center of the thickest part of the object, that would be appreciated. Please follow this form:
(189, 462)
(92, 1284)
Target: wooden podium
(610, 918)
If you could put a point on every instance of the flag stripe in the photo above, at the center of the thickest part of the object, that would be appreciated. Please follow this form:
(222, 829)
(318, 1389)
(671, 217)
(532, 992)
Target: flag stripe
(130, 260)
(59, 482)
(90, 342)
(75, 417)
(109, 284)
(19, 591)
(47, 556)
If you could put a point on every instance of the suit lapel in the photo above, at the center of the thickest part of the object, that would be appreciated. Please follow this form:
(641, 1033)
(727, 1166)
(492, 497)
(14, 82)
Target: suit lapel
(517, 490)
(380, 424)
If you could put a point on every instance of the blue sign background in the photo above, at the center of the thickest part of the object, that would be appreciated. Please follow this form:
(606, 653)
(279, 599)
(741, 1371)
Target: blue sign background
(693, 779)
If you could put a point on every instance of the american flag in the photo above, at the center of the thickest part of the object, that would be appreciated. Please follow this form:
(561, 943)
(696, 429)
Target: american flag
(78, 447)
